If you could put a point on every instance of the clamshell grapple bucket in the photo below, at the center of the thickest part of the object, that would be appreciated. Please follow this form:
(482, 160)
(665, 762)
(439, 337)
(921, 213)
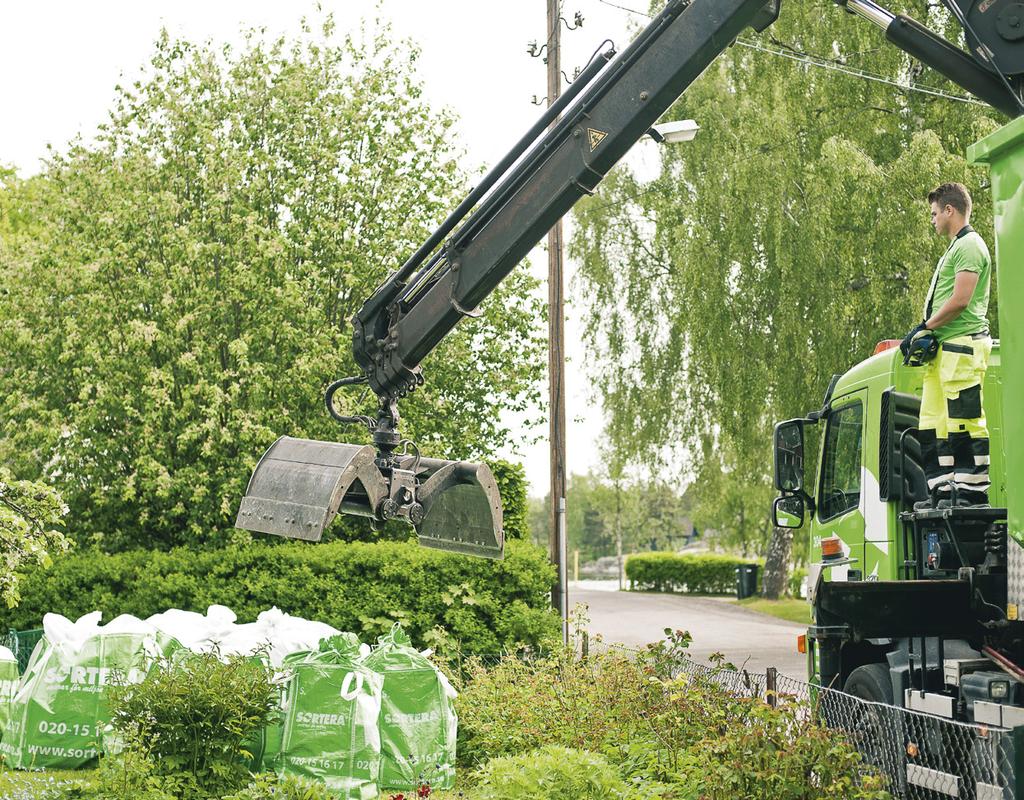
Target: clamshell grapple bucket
(300, 485)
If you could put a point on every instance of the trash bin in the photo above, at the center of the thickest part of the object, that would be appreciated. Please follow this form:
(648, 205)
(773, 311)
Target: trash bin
(746, 581)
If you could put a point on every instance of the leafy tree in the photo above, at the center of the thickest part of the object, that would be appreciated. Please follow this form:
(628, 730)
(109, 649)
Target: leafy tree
(771, 252)
(29, 513)
(649, 515)
(181, 293)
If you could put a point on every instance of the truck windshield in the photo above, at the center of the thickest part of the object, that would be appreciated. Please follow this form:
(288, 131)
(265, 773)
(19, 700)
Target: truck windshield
(840, 476)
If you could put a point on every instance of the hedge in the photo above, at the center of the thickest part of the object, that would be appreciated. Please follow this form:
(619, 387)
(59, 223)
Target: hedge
(485, 606)
(694, 574)
(515, 506)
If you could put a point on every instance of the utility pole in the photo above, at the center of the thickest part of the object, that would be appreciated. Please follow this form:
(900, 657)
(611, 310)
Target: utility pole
(618, 528)
(556, 350)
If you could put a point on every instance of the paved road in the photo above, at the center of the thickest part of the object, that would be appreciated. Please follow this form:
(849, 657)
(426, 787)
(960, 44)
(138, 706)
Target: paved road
(637, 618)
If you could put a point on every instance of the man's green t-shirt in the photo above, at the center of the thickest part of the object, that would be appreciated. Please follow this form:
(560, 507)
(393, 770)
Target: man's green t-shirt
(967, 253)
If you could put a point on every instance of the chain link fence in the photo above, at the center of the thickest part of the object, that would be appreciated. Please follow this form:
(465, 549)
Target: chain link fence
(923, 756)
(21, 643)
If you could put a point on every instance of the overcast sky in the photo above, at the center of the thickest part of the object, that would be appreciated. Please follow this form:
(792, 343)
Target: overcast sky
(61, 60)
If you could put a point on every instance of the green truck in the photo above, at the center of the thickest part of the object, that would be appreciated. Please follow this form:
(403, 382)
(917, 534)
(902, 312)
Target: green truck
(920, 609)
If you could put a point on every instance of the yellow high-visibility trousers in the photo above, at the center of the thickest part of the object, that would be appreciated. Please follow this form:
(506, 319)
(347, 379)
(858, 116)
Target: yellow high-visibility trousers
(954, 432)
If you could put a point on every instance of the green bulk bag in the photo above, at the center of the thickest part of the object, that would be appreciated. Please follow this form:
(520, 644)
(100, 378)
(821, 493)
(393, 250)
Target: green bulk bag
(418, 724)
(271, 736)
(332, 706)
(9, 679)
(58, 715)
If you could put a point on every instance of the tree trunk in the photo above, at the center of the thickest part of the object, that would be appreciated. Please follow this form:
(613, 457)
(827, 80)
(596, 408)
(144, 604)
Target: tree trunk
(776, 563)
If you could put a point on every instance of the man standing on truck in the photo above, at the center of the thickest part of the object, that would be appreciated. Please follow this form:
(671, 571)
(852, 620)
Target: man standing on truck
(952, 343)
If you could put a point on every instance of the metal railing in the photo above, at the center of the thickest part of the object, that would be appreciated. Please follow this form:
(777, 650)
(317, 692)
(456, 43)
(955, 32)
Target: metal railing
(923, 756)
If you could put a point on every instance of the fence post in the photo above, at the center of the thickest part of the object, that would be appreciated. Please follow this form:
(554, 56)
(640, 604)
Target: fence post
(1017, 736)
(771, 686)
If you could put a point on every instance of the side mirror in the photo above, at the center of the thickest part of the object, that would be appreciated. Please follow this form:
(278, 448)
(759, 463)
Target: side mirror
(788, 511)
(789, 456)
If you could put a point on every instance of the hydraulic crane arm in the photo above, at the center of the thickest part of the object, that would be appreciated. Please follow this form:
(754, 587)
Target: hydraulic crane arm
(991, 71)
(300, 485)
(418, 305)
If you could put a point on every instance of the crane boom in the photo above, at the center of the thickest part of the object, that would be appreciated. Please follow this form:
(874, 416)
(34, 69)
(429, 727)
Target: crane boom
(299, 485)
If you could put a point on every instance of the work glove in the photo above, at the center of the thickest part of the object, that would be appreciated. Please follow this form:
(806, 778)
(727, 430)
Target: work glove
(905, 344)
(923, 347)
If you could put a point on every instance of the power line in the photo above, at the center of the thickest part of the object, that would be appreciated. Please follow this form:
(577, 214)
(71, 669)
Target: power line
(657, 187)
(816, 61)
(623, 8)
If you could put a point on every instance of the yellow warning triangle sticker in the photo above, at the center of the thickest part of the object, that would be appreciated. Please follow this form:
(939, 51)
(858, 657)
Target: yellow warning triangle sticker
(595, 137)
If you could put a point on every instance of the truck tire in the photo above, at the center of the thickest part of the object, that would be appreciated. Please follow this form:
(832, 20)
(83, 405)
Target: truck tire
(871, 682)
(874, 730)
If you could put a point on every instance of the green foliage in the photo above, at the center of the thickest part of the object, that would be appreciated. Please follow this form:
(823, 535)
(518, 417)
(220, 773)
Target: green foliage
(46, 785)
(28, 513)
(181, 733)
(130, 775)
(176, 293)
(190, 719)
(772, 754)
(511, 480)
(270, 787)
(772, 251)
(550, 773)
(521, 705)
(694, 574)
(793, 609)
(667, 734)
(795, 582)
(484, 606)
(648, 514)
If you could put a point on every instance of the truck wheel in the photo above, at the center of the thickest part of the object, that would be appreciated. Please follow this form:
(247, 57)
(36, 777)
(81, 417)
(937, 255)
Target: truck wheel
(873, 730)
(870, 682)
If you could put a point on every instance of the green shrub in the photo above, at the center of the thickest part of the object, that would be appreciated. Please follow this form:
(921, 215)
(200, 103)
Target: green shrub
(757, 752)
(47, 785)
(486, 606)
(795, 581)
(551, 773)
(667, 733)
(511, 480)
(694, 574)
(189, 722)
(270, 787)
(606, 703)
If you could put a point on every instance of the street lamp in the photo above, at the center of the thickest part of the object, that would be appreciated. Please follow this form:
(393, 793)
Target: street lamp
(682, 130)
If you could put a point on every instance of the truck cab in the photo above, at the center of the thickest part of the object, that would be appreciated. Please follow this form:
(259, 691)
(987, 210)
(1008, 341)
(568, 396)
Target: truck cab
(908, 608)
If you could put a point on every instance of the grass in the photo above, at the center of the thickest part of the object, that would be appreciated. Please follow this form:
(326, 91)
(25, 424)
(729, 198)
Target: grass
(791, 609)
(18, 785)
(27, 785)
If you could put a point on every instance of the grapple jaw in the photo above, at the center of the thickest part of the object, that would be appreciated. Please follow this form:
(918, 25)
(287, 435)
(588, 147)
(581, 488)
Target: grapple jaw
(461, 509)
(300, 485)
